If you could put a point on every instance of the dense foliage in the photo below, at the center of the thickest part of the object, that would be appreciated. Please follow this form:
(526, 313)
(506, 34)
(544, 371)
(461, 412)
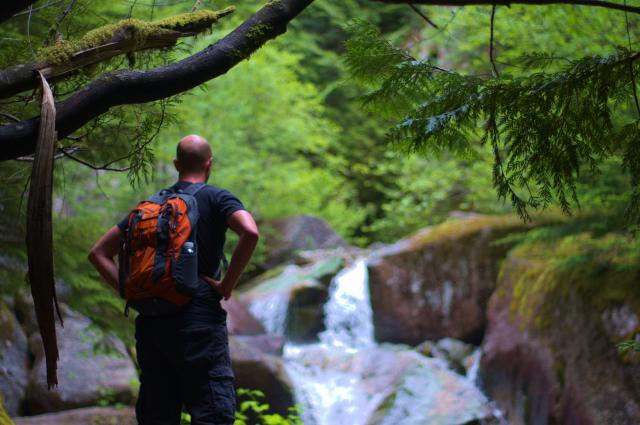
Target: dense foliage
(438, 131)
(546, 119)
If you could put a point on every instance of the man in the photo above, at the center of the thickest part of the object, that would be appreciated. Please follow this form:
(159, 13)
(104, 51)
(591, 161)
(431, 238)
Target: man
(184, 357)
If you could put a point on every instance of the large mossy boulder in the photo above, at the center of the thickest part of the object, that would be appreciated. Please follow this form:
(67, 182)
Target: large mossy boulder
(257, 368)
(436, 283)
(549, 355)
(286, 236)
(290, 301)
(14, 360)
(92, 369)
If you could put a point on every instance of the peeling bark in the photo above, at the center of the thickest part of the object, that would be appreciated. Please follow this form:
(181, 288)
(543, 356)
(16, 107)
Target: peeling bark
(40, 233)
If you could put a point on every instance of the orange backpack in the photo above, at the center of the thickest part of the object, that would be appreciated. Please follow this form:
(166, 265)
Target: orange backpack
(158, 261)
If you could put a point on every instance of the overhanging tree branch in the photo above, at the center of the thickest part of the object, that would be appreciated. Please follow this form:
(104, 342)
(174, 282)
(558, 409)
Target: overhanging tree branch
(422, 15)
(130, 35)
(596, 3)
(129, 87)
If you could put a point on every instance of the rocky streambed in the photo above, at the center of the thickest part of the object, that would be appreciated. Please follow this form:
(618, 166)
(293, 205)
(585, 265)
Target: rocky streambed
(451, 325)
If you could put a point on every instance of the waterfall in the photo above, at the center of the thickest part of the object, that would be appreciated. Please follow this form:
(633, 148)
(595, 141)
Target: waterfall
(474, 369)
(348, 315)
(271, 311)
(348, 378)
(328, 386)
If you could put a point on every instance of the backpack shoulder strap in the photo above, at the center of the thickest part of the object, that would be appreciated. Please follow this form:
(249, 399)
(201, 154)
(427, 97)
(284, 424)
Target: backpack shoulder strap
(193, 188)
(192, 204)
(160, 197)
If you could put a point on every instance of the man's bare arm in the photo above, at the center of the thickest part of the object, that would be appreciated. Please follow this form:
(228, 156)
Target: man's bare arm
(102, 256)
(242, 223)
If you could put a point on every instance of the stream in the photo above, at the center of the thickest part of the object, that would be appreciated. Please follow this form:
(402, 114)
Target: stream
(347, 378)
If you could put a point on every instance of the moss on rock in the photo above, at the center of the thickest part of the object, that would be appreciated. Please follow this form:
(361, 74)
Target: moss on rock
(4, 417)
(604, 271)
(560, 308)
(457, 229)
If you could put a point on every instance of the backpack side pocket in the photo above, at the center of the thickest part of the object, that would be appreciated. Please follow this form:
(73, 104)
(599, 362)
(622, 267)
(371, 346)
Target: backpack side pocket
(185, 272)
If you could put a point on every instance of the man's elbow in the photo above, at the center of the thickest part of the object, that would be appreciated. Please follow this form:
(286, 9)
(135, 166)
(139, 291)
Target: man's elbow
(93, 256)
(252, 234)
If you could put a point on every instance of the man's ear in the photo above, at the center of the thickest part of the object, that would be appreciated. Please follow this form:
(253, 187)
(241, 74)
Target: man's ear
(176, 164)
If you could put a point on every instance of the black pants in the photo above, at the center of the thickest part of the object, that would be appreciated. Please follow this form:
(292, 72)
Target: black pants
(184, 362)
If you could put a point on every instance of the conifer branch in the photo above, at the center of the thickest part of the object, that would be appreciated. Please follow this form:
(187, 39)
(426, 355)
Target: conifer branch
(542, 127)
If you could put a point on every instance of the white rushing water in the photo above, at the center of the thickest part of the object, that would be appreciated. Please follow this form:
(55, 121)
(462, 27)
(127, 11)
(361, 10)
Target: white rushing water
(329, 387)
(346, 378)
(271, 310)
(348, 315)
(474, 368)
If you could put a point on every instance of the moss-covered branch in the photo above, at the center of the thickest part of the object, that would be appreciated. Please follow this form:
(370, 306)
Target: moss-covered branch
(102, 44)
(128, 87)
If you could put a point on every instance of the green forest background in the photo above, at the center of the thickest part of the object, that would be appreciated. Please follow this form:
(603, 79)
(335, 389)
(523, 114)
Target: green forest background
(291, 135)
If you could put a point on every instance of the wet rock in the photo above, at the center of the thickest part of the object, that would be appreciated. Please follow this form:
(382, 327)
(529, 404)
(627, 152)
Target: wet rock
(435, 395)
(288, 235)
(305, 319)
(455, 353)
(620, 321)
(548, 357)
(256, 370)
(436, 283)
(25, 312)
(348, 253)
(85, 416)
(92, 369)
(380, 386)
(14, 360)
(240, 321)
(268, 344)
(291, 303)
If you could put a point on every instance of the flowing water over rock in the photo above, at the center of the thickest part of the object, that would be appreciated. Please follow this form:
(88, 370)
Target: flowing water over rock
(348, 378)
(272, 312)
(348, 315)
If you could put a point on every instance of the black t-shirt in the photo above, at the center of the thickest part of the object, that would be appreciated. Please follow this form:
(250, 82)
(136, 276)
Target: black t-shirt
(215, 205)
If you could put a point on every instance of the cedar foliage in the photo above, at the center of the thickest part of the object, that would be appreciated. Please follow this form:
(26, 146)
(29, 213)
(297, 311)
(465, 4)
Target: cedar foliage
(544, 128)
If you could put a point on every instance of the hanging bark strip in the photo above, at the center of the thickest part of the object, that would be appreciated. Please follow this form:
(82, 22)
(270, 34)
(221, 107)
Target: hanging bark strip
(40, 233)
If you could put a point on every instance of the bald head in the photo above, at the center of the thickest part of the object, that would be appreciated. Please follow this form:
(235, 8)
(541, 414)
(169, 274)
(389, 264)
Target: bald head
(193, 155)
